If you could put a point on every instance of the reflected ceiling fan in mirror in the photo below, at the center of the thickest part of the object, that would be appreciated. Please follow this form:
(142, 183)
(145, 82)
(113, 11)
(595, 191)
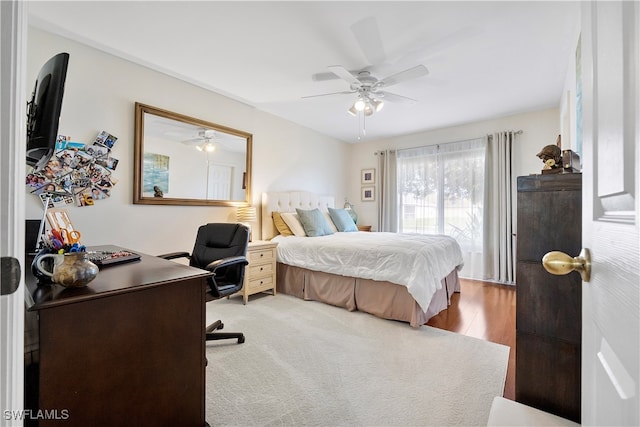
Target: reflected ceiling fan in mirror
(204, 142)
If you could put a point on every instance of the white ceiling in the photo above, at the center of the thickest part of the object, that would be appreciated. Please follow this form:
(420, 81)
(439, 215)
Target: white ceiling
(486, 59)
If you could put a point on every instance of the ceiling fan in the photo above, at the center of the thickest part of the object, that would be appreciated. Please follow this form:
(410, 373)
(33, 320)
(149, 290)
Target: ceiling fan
(369, 89)
(204, 141)
(365, 84)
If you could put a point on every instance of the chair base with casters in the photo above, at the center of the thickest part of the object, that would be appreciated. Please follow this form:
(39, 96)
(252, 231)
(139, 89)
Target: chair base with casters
(216, 326)
(221, 249)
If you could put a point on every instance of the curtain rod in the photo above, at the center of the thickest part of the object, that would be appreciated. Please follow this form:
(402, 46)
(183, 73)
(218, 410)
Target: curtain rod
(517, 132)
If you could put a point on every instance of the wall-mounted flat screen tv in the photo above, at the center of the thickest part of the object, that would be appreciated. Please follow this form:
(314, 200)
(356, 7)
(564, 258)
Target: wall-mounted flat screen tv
(43, 111)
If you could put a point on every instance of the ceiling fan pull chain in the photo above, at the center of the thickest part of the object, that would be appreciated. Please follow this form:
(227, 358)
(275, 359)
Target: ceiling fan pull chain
(364, 124)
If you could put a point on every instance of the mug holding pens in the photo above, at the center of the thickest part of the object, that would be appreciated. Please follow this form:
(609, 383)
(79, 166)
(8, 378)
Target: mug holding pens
(63, 260)
(63, 235)
(64, 240)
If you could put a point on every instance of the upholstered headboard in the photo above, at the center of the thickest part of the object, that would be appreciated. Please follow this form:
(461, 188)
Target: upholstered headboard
(288, 202)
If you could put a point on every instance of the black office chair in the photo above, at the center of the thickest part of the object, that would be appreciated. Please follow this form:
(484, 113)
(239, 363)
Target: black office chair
(222, 249)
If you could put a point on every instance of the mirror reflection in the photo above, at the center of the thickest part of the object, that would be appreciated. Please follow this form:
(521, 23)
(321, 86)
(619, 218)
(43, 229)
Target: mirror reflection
(181, 160)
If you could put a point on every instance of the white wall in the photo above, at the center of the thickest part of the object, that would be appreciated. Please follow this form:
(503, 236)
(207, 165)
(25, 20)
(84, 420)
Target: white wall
(100, 93)
(539, 128)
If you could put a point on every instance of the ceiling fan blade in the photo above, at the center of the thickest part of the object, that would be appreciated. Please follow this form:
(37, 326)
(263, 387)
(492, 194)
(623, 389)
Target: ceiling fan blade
(346, 92)
(344, 74)
(427, 49)
(411, 73)
(196, 141)
(392, 97)
(367, 35)
(320, 77)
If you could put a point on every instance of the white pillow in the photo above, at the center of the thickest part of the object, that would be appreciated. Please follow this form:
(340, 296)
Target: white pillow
(291, 219)
(330, 221)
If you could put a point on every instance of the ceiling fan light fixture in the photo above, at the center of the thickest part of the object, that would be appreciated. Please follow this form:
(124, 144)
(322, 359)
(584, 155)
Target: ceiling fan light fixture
(377, 104)
(360, 104)
(209, 147)
(353, 111)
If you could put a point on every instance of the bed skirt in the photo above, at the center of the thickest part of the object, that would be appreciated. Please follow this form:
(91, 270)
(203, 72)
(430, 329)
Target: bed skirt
(382, 299)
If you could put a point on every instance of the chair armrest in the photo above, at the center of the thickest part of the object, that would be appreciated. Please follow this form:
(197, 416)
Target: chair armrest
(225, 262)
(174, 255)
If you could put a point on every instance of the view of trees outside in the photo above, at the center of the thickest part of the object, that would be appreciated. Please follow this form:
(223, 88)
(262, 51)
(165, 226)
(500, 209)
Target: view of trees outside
(442, 192)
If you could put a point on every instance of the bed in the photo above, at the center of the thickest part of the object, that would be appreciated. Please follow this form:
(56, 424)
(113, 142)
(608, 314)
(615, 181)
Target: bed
(409, 278)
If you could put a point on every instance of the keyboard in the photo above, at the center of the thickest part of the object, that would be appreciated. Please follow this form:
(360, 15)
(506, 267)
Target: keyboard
(105, 258)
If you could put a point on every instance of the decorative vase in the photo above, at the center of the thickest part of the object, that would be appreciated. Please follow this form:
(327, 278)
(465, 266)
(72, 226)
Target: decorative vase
(72, 270)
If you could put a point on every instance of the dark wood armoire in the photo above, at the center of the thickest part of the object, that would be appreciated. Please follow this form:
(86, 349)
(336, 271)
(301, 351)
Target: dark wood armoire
(548, 307)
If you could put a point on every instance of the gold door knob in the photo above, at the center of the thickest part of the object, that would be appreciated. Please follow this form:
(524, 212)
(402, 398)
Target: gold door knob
(559, 263)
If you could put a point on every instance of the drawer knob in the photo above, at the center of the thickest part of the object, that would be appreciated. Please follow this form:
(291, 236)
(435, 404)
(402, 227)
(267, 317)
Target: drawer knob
(559, 263)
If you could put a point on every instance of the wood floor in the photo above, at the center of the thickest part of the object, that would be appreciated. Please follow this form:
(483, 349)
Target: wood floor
(487, 311)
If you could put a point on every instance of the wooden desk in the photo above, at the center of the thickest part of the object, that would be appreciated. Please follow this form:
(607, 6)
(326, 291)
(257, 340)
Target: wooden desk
(128, 349)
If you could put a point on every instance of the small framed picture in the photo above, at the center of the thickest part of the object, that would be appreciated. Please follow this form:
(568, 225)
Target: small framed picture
(58, 219)
(368, 176)
(368, 194)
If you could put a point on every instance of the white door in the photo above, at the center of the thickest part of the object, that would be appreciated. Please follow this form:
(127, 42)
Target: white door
(219, 187)
(611, 299)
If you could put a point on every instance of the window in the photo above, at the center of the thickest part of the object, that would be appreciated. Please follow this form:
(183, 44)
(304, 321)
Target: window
(441, 191)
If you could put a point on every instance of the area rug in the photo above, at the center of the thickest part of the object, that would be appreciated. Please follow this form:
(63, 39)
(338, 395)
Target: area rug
(306, 363)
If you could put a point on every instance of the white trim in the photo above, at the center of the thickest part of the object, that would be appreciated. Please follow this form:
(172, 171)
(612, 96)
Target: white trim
(13, 20)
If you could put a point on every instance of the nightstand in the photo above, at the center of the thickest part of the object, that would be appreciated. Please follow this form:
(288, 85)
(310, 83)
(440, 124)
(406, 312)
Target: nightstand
(364, 228)
(260, 274)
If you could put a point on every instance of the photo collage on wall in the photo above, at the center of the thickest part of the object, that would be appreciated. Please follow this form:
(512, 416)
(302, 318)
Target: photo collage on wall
(77, 174)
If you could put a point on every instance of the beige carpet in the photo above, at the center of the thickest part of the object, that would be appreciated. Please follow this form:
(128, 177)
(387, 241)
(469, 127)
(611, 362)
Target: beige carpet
(309, 364)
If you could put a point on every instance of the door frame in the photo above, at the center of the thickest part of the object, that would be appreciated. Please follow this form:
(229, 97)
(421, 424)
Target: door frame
(13, 20)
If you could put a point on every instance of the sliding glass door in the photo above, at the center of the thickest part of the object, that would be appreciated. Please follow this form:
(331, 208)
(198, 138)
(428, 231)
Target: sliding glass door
(441, 191)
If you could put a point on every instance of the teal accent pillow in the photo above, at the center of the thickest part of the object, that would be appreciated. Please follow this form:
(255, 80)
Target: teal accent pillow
(342, 220)
(313, 222)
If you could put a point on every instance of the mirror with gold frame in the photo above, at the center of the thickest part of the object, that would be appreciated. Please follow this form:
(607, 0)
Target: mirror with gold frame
(181, 160)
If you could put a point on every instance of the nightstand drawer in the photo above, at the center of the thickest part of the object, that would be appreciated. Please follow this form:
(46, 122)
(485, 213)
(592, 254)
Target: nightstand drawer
(261, 284)
(260, 269)
(261, 255)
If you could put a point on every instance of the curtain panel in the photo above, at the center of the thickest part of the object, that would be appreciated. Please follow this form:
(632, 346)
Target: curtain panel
(499, 245)
(387, 191)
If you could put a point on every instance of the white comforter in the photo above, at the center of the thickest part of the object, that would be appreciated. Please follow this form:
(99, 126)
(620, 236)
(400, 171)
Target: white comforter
(416, 261)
